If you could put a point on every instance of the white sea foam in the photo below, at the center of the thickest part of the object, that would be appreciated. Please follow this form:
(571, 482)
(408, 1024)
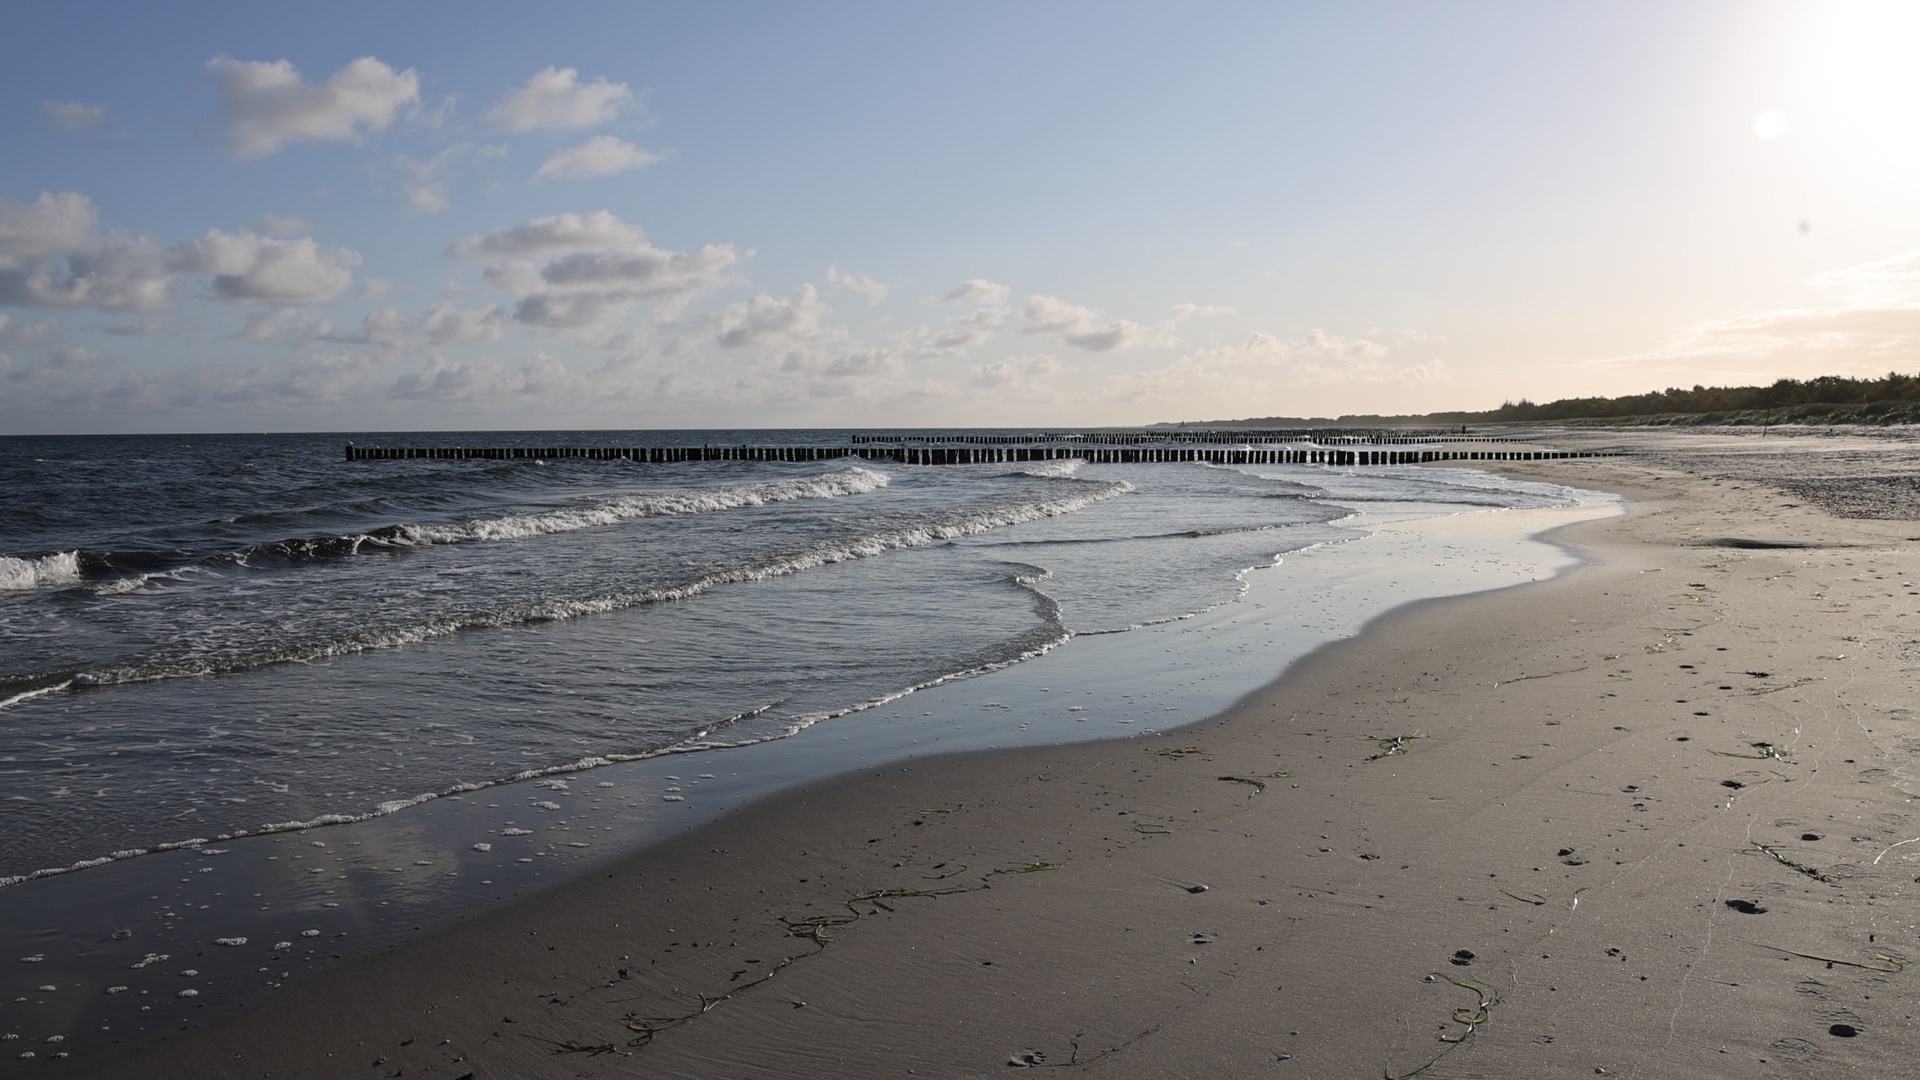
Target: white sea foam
(55, 571)
(29, 695)
(842, 482)
(1059, 468)
(971, 522)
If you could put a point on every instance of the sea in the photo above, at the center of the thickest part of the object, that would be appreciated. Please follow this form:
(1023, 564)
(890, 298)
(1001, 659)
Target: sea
(211, 638)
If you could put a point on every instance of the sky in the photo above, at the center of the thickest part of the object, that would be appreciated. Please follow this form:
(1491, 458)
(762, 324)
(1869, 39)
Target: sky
(419, 216)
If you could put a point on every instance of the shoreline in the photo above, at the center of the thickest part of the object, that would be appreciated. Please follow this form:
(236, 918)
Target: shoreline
(328, 897)
(1073, 935)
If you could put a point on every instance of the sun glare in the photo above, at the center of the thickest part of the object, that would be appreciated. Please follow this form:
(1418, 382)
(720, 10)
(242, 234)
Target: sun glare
(1869, 78)
(1769, 125)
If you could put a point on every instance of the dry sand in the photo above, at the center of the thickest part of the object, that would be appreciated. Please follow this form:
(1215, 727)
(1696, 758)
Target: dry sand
(1652, 818)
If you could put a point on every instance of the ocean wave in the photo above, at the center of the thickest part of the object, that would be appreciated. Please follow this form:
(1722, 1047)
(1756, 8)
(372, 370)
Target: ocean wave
(1059, 468)
(843, 482)
(55, 571)
(131, 571)
(951, 526)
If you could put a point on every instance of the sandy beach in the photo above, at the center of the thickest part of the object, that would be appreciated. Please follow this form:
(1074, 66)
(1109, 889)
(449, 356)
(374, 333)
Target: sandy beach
(1650, 818)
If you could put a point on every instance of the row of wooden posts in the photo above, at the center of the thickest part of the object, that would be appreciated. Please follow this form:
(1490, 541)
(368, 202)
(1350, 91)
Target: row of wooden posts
(1145, 438)
(955, 455)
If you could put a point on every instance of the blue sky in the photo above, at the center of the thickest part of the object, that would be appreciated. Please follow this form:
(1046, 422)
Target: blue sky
(358, 216)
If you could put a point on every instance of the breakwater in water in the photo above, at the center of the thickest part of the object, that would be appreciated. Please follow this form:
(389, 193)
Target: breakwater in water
(967, 454)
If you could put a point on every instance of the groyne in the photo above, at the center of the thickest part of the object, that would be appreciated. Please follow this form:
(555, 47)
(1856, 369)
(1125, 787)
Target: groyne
(964, 453)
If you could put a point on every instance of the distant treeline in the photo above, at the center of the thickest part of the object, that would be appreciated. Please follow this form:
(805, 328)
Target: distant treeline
(1829, 399)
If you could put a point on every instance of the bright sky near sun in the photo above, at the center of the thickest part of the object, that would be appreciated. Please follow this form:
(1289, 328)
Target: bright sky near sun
(359, 216)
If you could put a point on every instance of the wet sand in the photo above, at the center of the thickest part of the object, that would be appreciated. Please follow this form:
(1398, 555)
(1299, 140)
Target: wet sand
(1652, 817)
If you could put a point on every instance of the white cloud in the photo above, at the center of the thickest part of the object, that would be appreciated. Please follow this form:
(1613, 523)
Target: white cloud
(598, 231)
(602, 155)
(1255, 376)
(381, 327)
(1870, 321)
(598, 267)
(269, 105)
(846, 371)
(247, 266)
(298, 327)
(874, 291)
(964, 333)
(294, 325)
(765, 321)
(73, 115)
(278, 225)
(53, 224)
(115, 272)
(422, 118)
(642, 271)
(555, 100)
(1075, 325)
(1202, 311)
(373, 288)
(571, 311)
(448, 325)
(980, 289)
(122, 272)
(63, 375)
(424, 183)
(1016, 372)
(1052, 315)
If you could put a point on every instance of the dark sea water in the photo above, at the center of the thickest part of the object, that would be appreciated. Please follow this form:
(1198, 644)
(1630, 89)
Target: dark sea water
(203, 637)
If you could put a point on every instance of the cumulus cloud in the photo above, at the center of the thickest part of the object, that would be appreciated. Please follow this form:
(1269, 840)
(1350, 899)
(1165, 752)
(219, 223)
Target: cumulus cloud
(446, 325)
(834, 370)
(575, 311)
(643, 270)
(247, 266)
(115, 272)
(73, 115)
(64, 375)
(1076, 325)
(1016, 372)
(1202, 311)
(295, 325)
(963, 333)
(874, 291)
(764, 321)
(278, 225)
(269, 105)
(598, 231)
(978, 289)
(602, 155)
(373, 288)
(52, 255)
(596, 268)
(300, 327)
(555, 100)
(423, 184)
(53, 224)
